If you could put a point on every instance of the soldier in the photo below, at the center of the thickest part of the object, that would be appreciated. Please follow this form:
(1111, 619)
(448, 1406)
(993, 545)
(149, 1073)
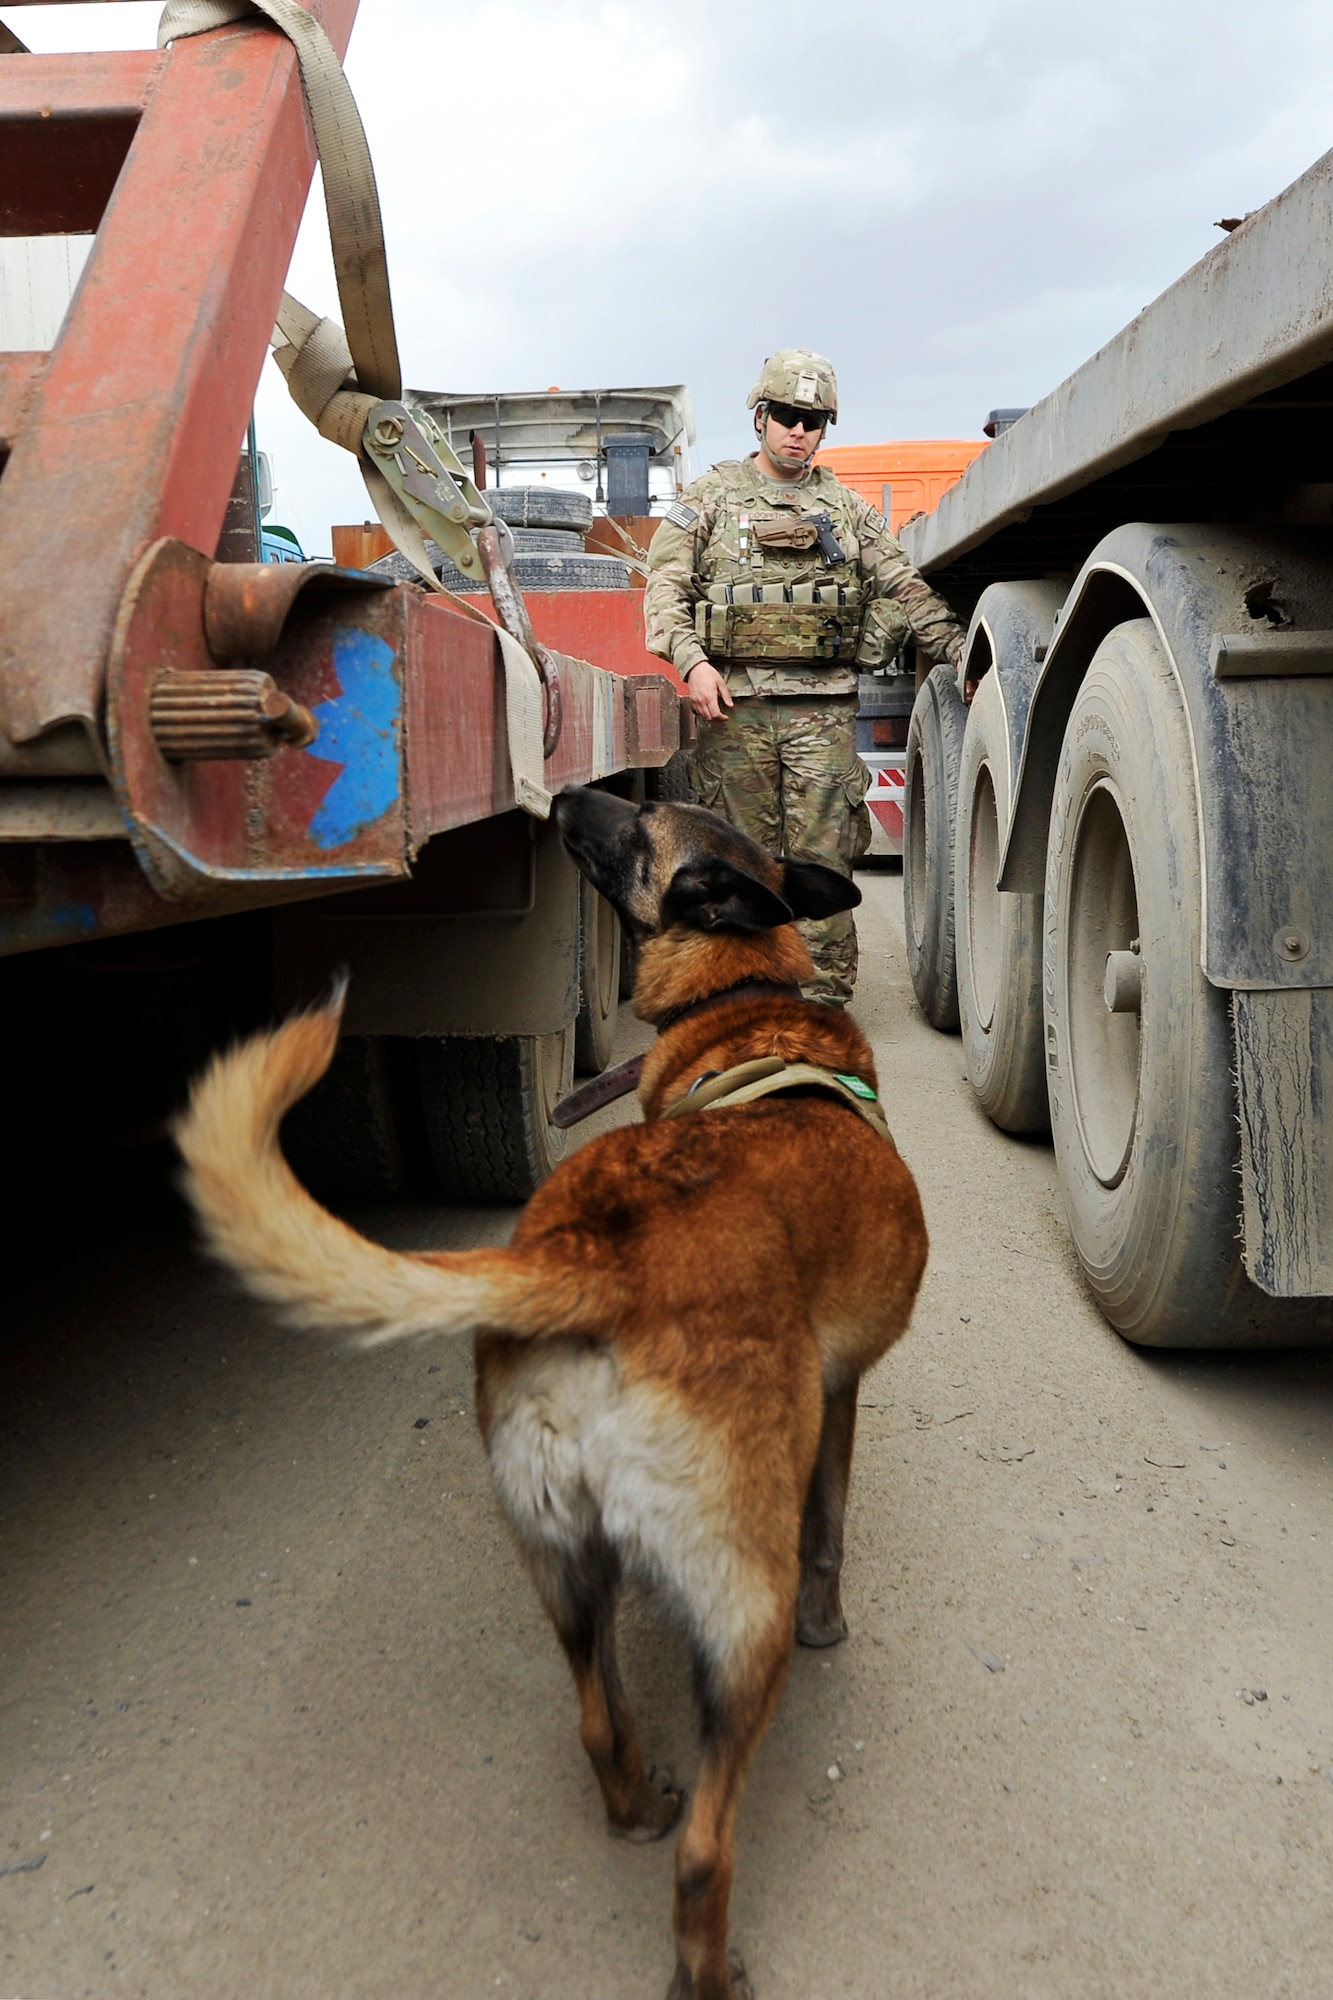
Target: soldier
(769, 583)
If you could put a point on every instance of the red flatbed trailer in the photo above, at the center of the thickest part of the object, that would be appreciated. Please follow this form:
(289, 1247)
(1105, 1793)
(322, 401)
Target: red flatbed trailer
(131, 660)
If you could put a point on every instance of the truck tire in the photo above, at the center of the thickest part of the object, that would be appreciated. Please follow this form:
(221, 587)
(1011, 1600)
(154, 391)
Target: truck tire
(997, 937)
(599, 982)
(673, 778)
(575, 572)
(540, 507)
(548, 541)
(530, 572)
(345, 1139)
(539, 573)
(930, 808)
(486, 1102)
(1143, 1111)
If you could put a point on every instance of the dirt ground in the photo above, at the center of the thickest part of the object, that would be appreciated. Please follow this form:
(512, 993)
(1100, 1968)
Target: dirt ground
(280, 1717)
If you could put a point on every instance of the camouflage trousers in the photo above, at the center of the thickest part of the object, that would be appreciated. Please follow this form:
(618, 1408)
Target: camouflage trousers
(786, 772)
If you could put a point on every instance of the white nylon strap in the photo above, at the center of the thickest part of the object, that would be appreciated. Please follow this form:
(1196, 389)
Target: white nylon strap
(356, 230)
(523, 716)
(320, 359)
(336, 374)
(314, 356)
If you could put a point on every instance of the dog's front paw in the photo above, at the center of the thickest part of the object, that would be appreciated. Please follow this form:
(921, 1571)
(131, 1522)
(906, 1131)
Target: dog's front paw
(741, 1988)
(654, 1808)
(829, 1632)
(819, 1619)
(683, 1987)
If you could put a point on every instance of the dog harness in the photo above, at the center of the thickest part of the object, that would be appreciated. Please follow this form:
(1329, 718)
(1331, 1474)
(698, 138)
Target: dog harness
(744, 1083)
(620, 1081)
(768, 1076)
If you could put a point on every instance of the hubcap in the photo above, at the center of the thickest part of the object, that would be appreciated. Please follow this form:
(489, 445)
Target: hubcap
(916, 851)
(1104, 1047)
(553, 1080)
(606, 955)
(983, 900)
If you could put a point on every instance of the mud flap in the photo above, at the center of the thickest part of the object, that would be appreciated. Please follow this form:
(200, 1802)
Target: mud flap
(1284, 1075)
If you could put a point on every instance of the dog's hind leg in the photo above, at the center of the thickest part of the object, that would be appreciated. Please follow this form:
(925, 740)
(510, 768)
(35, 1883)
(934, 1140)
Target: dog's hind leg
(580, 1593)
(736, 1704)
(819, 1618)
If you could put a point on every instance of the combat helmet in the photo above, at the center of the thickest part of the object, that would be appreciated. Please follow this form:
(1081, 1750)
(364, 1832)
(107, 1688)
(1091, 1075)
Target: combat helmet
(795, 375)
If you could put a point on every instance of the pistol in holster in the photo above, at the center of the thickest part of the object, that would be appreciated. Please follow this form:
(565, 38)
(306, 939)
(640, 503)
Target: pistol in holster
(830, 548)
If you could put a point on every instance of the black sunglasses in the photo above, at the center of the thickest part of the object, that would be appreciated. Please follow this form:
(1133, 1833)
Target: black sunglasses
(789, 417)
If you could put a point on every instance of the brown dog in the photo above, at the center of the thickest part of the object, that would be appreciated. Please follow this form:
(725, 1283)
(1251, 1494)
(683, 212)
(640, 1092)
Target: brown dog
(668, 1354)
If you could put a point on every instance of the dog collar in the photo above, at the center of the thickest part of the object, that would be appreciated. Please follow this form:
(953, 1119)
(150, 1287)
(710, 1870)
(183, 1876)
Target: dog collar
(620, 1081)
(744, 989)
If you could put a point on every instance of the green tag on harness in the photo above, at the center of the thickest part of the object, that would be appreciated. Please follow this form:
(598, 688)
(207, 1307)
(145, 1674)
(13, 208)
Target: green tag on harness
(767, 1076)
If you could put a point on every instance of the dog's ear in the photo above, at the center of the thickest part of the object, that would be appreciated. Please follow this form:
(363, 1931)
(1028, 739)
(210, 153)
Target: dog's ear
(816, 891)
(711, 894)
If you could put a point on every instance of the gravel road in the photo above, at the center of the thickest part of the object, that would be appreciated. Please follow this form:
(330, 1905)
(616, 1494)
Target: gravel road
(279, 1715)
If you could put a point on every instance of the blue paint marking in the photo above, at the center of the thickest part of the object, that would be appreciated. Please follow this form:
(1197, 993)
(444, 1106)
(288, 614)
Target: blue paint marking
(358, 730)
(58, 923)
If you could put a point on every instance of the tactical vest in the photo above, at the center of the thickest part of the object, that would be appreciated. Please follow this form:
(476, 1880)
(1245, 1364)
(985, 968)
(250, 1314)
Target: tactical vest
(768, 596)
(775, 621)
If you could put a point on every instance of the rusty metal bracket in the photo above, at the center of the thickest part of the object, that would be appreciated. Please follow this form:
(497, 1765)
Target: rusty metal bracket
(218, 796)
(428, 476)
(246, 604)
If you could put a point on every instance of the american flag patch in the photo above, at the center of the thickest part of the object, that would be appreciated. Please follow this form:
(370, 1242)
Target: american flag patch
(681, 516)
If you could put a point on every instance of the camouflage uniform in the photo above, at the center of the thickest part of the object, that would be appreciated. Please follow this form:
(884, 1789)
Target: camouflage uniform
(782, 764)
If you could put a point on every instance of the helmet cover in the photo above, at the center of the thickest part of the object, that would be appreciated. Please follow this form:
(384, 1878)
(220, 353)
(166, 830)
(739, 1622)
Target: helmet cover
(797, 376)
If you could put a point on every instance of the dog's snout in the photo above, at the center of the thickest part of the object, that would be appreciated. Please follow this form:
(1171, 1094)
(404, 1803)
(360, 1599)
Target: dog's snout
(597, 830)
(566, 809)
(590, 820)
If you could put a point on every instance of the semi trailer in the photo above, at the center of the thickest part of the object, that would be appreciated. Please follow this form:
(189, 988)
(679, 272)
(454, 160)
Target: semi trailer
(1118, 870)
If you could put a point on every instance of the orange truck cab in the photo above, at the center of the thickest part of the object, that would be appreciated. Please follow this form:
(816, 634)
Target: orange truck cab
(903, 479)
(906, 478)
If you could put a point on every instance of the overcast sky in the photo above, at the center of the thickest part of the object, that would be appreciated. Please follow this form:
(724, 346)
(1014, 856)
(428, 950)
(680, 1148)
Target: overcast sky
(957, 201)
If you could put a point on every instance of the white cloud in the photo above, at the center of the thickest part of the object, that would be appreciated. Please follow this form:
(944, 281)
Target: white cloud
(127, 24)
(958, 202)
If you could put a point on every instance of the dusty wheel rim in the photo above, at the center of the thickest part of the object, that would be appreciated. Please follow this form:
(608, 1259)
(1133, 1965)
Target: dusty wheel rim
(552, 1081)
(916, 849)
(606, 957)
(983, 900)
(1104, 1048)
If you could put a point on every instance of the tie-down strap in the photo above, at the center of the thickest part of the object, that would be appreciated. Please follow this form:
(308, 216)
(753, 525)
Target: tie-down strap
(356, 232)
(320, 358)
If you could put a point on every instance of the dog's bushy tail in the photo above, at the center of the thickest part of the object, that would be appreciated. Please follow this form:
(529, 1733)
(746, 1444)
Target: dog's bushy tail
(259, 1221)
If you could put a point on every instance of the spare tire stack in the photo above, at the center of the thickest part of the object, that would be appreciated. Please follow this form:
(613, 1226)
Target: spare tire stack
(549, 527)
